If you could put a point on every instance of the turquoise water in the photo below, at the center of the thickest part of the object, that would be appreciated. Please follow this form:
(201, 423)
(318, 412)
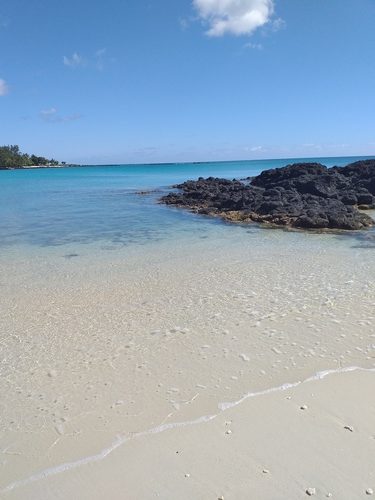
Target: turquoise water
(49, 207)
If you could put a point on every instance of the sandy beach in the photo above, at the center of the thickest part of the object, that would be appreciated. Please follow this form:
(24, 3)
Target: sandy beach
(143, 373)
(313, 439)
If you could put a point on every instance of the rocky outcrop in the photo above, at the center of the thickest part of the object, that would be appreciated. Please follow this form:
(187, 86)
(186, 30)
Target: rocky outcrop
(302, 195)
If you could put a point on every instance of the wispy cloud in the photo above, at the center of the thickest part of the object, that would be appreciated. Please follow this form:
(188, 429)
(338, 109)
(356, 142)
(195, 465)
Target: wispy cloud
(52, 115)
(235, 17)
(325, 146)
(184, 23)
(254, 46)
(74, 61)
(100, 52)
(100, 58)
(4, 22)
(46, 113)
(278, 24)
(254, 149)
(97, 60)
(4, 89)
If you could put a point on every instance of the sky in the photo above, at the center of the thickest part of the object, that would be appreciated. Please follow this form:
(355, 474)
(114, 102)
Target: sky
(133, 81)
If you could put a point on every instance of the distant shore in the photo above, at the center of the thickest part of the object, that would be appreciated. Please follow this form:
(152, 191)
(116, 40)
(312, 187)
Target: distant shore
(30, 167)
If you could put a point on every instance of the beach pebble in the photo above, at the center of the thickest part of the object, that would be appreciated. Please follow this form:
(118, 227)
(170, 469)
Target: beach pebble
(311, 492)
(244, 357)
(369, 491)
(175, 329)
(59, 428)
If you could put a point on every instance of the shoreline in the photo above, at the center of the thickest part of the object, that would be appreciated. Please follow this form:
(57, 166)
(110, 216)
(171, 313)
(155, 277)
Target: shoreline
(34, 167)
(31, 489)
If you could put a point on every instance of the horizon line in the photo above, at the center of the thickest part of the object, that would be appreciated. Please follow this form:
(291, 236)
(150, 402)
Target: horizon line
(200, 162)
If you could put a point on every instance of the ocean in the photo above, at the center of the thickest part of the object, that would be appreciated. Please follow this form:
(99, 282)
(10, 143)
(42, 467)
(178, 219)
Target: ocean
(100, 204)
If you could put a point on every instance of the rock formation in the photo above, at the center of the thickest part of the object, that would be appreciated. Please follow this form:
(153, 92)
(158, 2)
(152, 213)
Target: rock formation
(301, 195)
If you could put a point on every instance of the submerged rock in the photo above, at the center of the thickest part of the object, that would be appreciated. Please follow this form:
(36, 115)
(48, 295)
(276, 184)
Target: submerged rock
(302, 195)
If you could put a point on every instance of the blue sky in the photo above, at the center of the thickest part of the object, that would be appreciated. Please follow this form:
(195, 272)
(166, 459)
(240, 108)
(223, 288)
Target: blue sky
(187, 80)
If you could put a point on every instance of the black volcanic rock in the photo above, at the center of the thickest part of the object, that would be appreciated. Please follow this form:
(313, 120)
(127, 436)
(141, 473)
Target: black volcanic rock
(302, 195)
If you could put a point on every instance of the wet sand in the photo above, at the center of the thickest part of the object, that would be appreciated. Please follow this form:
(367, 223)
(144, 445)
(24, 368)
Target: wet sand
(102, 348)
(315, 439)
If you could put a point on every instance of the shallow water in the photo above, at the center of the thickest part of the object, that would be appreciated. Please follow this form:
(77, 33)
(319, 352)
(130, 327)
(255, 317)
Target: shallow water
(47, 207)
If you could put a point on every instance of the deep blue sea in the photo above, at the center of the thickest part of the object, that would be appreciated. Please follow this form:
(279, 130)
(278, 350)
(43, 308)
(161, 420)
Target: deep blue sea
(49, 207)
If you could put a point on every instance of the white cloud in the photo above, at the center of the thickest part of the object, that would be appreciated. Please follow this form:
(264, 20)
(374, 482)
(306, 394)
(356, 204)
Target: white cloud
(100, 52)
(48, 112)
(97, 60)
(51, 115)
(4, 89)
(255, 46)
(74, 61)
(254, 149)
(236, 17)
(278, 24)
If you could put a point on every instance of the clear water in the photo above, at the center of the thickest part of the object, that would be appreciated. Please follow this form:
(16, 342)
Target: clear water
(49, 207)
(78, 336)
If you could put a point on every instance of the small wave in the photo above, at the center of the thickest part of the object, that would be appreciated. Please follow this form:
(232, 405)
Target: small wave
(120, 440)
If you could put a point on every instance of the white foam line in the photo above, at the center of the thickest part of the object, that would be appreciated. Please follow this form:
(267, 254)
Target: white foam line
(102, 454)
(318, 376)
(165, 427)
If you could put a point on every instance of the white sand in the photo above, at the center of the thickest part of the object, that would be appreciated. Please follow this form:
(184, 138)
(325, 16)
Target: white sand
(317, 436)
(119, 345)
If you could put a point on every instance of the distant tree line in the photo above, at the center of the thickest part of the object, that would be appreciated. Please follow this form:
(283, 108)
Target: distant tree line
(11, 157)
